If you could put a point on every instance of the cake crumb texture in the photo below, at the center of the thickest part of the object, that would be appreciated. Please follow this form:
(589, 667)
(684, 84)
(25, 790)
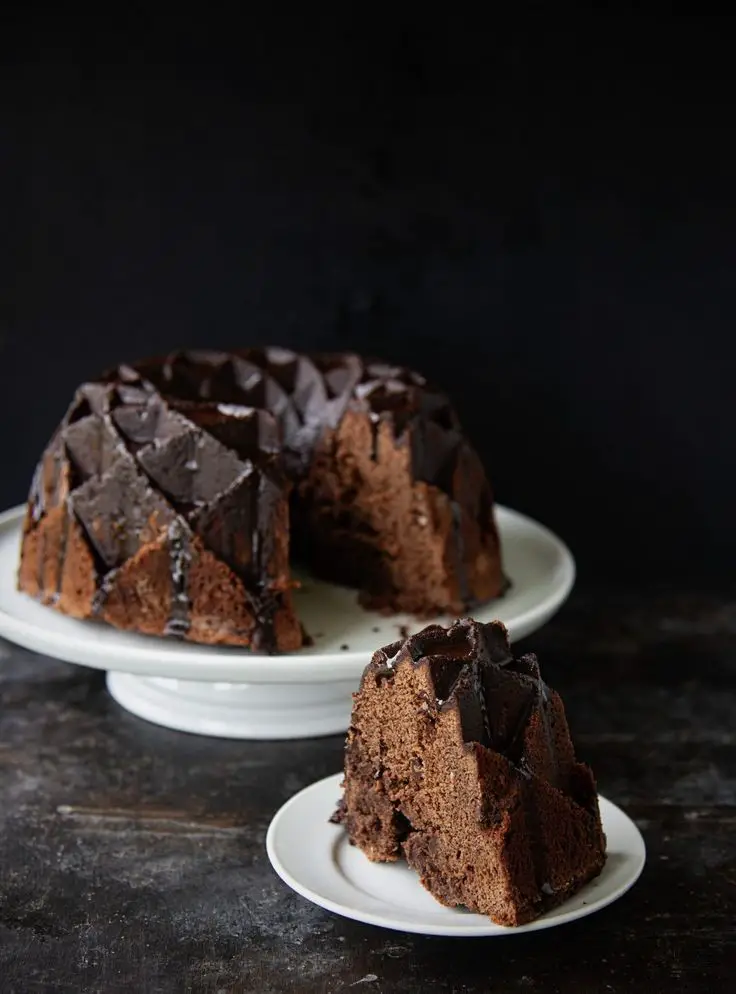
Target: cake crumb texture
(459, 760)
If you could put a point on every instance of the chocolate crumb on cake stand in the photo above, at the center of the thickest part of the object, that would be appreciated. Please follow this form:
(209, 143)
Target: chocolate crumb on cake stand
(239, 693)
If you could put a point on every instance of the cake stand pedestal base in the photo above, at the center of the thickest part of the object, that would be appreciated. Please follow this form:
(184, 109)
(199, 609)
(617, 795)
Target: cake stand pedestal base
(237, 710)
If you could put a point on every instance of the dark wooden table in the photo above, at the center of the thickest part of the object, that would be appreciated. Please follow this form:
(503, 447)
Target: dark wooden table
(132, 858)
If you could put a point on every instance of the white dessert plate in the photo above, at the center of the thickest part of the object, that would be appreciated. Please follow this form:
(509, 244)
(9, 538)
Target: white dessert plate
(239, 694)
(316, 860)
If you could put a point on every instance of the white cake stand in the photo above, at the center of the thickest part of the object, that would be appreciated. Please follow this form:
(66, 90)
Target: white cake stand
(237, 694)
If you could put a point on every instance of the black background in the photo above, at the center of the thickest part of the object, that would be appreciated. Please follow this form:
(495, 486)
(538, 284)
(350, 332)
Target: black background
(541, 218)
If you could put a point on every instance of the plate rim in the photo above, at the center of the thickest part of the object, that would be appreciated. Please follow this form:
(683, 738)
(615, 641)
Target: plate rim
(491, 930)
(161, 660)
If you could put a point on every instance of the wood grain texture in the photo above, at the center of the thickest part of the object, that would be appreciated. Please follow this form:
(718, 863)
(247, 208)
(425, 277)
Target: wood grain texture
(132, 858)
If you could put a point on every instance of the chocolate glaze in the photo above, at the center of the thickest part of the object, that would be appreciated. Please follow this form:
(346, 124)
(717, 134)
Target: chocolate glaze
(462, 573)
(190, 454)
(309, 394)
(496, 695)
(101, 594)
(206, 443)
(180, 557)
(66, 521)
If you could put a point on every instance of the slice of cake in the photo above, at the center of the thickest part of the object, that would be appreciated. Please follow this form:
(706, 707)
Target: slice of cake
(459, 759)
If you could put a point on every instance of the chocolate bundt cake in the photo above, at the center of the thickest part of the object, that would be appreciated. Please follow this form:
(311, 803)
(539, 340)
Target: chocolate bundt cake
(176, 491)
(459, 759)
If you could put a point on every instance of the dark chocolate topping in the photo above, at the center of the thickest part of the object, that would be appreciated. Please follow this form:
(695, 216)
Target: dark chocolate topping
(120, 512)
(207, 443)
(180, 557)
(92, 446)
(497, 696)
(144, 465)
(309, 394)
(191, 468)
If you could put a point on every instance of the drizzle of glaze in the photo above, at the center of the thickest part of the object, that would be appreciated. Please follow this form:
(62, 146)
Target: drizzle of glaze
(180, 557)
(61, 559)
(457, 534)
